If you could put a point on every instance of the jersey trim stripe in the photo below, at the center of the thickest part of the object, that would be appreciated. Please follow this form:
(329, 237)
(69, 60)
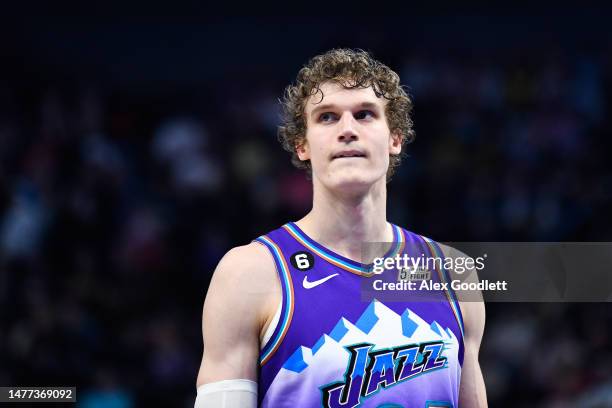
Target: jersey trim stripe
(341, 262)
(288, 296)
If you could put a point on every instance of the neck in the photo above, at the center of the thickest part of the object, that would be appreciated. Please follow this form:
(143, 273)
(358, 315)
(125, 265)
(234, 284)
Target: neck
(343, 222)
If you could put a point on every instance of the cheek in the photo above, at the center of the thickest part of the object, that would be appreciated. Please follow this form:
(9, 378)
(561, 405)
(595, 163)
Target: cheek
(384, 149)
(320, 157)
(384, 157)
(317, 145)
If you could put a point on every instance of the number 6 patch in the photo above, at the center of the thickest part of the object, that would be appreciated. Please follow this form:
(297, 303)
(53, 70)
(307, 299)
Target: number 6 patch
(302, 260)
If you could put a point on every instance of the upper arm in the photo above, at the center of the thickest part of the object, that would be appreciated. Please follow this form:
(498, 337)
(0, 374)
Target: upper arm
(472, 392)
(233, 315)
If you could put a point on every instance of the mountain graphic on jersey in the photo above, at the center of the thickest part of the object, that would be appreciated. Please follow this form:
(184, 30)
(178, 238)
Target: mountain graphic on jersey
(382, 358)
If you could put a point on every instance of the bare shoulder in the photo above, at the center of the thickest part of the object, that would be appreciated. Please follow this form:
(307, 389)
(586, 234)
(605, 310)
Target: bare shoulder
(244, 285)
(463, 269)
(250, 263)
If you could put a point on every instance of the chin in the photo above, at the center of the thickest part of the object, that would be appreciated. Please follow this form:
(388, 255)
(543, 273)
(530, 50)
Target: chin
(353, 183)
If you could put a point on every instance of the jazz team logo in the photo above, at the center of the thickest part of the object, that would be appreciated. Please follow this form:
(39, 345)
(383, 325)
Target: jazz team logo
(371, 371)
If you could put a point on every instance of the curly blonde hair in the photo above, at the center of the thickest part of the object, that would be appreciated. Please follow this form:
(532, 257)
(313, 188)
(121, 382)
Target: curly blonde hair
(351, 69)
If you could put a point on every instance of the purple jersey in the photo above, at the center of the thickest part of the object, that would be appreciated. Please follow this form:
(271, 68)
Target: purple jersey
(332, 348)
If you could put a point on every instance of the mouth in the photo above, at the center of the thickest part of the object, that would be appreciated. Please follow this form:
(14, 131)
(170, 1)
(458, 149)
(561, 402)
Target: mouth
(349, 154)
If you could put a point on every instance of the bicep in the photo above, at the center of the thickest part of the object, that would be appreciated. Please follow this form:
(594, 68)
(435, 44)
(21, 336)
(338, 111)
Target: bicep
(472, 392)
(230, 326)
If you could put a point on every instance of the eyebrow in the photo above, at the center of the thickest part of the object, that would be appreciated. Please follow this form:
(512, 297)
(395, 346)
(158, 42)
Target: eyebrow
(362, 105)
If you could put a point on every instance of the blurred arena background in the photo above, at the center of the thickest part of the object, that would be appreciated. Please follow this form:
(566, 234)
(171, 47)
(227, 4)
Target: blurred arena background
(135, 153)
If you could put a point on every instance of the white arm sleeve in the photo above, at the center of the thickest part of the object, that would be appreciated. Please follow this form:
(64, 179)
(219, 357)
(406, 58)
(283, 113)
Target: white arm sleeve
(227, 394)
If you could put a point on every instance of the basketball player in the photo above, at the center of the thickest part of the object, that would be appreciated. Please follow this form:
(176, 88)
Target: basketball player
(284, 322)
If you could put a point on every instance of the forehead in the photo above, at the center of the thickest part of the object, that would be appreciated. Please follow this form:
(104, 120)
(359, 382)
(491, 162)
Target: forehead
(341, 97)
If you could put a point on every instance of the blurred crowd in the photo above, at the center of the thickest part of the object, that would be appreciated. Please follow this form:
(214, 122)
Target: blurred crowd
(116, 206)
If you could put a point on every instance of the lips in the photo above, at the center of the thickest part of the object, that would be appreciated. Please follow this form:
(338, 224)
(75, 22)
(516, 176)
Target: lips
(348, 154)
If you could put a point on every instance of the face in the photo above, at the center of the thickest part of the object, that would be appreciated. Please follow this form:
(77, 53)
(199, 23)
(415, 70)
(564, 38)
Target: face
(348, 140)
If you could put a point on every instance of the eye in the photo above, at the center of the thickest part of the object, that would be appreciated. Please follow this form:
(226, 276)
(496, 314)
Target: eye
(364, 114)
(327, 117)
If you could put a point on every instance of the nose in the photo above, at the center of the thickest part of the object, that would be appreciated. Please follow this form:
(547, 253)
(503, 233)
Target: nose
(347, 129)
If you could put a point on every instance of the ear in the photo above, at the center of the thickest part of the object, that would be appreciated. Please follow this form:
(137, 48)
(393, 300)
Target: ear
(395, 142)
(303, 150)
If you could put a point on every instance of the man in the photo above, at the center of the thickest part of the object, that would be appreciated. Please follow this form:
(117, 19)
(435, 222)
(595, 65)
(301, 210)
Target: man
(284, 321)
